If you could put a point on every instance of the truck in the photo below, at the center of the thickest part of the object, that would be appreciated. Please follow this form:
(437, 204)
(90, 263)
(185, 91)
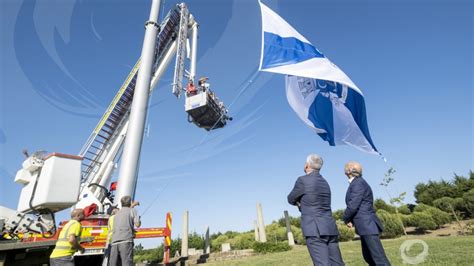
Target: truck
(54, 182)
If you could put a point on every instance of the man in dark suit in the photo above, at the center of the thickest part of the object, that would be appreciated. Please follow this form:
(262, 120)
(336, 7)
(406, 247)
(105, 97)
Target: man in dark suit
(360, 213)
(312, 195)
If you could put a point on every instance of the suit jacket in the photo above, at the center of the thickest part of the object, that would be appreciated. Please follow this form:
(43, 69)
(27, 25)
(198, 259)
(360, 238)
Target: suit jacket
(314, 194)
(360, 208)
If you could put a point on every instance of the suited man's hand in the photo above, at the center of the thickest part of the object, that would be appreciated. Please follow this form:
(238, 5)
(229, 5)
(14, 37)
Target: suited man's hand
(349, 224)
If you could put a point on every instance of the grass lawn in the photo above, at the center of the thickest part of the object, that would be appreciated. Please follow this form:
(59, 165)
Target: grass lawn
(452, 250)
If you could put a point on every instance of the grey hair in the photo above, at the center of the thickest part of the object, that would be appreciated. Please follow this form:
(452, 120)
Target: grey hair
(126, 201)
(314, 161)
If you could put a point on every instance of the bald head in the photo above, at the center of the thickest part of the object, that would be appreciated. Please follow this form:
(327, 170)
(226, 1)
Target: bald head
(353, 169)
(77, 214)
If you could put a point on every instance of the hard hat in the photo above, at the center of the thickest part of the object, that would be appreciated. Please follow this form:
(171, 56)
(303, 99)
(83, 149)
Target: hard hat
(203, 79)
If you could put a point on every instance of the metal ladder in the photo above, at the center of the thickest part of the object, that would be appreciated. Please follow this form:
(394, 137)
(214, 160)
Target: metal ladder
(117, 113)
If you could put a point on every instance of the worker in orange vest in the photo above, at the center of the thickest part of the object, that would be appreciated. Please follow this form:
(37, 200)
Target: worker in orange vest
(191, 89)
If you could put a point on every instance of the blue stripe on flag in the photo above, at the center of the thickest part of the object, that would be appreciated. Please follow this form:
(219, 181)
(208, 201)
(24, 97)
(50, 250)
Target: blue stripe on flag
(321, 112)
(356, 104)
(279, 51)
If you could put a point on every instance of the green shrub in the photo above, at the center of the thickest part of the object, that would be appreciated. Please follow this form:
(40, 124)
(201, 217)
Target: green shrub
(156, 254)
(338, 214)
(271, 247)
(196, 241)
(298, 235)
(393, 226)
(469, 228)
(459, 205)
(439, 217)
(345, 233)
(231, 234)
(216, 243)
(421, 207)
(404, 209)
(422, 221)
(427, 193)
(149, 255)
(380, 204)
(295, 221)
(444, 204)
(243, 241)
(405, 219)
(468, 198)
(275, 232)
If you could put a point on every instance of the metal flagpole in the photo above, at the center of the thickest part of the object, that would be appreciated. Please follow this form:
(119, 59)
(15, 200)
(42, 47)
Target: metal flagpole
(133, 142)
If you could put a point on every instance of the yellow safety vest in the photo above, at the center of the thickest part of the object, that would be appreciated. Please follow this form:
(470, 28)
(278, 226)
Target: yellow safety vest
(63, 247)
(110, 228)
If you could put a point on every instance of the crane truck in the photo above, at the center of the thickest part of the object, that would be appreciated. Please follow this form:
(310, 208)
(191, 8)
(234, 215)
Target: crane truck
(55, 182)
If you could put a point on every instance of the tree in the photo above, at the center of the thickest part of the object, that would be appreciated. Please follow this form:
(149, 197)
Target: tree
(296, 221)
(338, 214)
(196, 241)
(396, 201)
(468, 198)
(380, 204)
(429, 192)
(138, 247)
(450, 205)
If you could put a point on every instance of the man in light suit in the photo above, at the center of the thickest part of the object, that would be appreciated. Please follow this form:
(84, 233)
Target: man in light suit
(312, 195)
(360, 213)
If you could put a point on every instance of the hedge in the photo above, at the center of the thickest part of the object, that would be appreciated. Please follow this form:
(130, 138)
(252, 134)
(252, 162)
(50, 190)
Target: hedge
(345, 233)
(392, 224)
(271, 247)
(422, 221)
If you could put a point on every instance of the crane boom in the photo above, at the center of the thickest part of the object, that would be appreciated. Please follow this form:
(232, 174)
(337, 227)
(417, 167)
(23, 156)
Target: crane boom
(58, 181)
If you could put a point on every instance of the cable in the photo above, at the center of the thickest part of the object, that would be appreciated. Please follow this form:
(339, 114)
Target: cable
(156, 198)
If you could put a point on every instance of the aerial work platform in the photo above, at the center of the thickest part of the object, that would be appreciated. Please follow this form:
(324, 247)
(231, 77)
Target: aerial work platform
(205, 110)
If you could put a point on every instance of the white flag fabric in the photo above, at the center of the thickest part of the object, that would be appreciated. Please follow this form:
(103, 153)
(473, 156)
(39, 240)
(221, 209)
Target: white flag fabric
(321, 94)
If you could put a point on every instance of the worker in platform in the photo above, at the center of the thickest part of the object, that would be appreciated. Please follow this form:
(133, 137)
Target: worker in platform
(202, 83)
(68, 240)
(191, 89)
(124, 224)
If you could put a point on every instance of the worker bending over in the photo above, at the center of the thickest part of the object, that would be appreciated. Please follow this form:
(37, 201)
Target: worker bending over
(68, 241)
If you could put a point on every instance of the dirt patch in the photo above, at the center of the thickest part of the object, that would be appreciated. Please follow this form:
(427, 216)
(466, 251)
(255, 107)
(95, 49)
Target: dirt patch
(451, 229)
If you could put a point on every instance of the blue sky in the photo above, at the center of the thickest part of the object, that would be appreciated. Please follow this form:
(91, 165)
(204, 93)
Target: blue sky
(62, 63)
